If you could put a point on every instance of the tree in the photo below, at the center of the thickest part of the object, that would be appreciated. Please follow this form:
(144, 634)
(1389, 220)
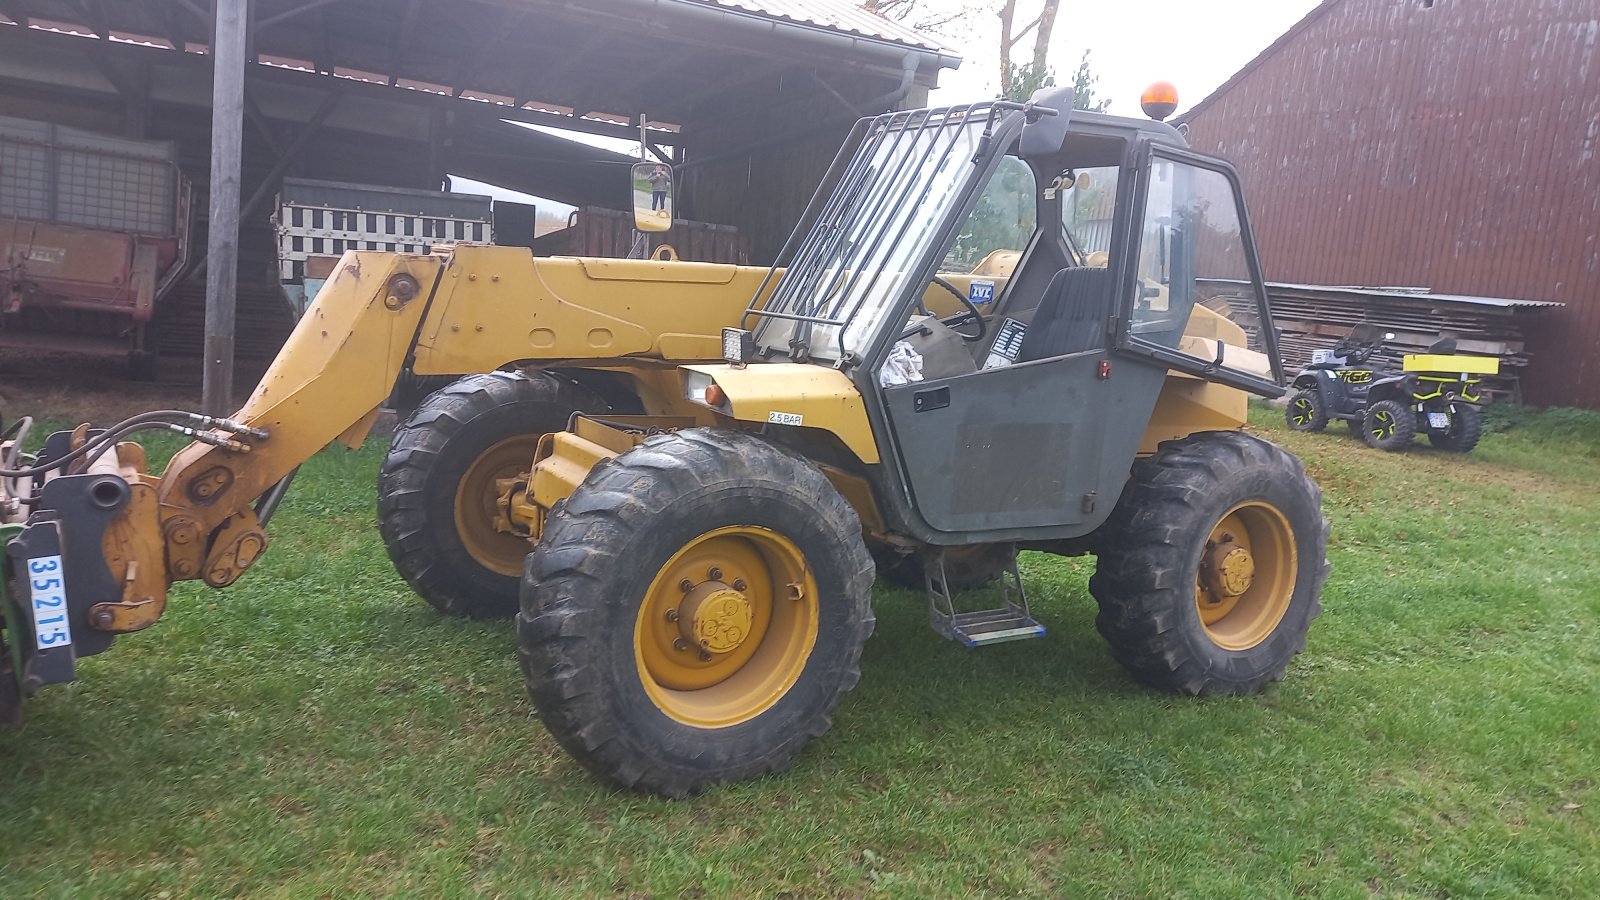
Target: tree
(920, 15)
(1083, 82)
(1035, 71)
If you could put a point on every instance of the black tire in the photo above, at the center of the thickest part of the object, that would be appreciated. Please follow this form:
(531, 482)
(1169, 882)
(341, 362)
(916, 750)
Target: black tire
(410, 389)
(597, 576)
(1306, 411)
(1389, 425)
(1148, 575)
(1466, 429)
(966, 568)
(430, 457)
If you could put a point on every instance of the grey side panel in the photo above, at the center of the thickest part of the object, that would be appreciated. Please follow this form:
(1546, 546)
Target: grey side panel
(1038, 445)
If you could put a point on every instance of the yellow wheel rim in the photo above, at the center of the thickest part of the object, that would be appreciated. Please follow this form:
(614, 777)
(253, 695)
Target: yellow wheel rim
(1246, 576)
(477, 505)
(726, 626)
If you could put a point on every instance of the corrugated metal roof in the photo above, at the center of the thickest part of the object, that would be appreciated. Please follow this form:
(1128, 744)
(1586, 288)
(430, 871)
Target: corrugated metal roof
(839, 15)
(1410, 294)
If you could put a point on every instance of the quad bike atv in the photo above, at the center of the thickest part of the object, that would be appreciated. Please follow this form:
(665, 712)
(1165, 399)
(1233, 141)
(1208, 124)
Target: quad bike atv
(680, 477)
(1435, 393)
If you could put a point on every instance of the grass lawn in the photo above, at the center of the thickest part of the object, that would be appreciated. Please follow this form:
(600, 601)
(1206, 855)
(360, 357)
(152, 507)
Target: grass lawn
(316, 731)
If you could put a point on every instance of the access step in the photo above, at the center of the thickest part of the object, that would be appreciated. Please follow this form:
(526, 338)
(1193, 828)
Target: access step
(1010, 621)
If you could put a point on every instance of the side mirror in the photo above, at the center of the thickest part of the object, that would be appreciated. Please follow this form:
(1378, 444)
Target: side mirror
(652, 196)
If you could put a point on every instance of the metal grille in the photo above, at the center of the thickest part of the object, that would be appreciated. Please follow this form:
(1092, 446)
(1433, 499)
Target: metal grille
(92, 189)
(853, 250)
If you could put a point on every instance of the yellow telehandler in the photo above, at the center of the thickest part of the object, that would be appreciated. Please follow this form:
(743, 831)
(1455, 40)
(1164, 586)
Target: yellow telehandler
(998, 326)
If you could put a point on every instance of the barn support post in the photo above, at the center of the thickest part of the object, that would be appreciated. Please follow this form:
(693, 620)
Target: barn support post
(222, 240)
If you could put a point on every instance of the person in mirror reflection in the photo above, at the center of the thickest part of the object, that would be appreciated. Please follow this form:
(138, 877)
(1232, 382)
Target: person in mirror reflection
(660, 179)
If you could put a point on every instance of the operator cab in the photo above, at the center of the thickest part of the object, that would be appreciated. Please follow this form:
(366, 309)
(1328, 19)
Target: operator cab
(1010, 283)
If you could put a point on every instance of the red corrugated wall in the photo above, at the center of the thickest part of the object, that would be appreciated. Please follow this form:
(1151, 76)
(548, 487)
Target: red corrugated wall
(1454, 146)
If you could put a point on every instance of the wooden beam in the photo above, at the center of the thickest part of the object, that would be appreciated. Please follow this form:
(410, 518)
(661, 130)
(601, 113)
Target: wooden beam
(263, 125)
(286, 15)
(195, 10)
(264, 189)
(222, 243)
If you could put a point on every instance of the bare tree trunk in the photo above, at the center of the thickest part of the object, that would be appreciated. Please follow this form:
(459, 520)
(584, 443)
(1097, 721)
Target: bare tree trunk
(1041, 41)
(1008, 11)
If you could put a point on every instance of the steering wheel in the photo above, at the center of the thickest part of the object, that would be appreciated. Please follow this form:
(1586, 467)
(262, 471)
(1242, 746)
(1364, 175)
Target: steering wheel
(970, 314)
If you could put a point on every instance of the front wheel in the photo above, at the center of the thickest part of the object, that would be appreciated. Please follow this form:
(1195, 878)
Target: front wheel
(1211, 569)
(1306, 412)
(1390, 425)
(1466, 429)
(694, 612)
(440, 486)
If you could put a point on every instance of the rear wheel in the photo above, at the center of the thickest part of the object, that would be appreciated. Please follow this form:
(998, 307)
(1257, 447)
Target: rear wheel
(1390, 425)
(1306, 412)
(694, 612)
(1466, 429)
(1212, 566)
(441, 483)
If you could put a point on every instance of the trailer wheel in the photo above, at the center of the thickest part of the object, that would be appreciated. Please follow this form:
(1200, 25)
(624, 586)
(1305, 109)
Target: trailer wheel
(1466, 429)
(1213, 565)
(1390, 425)
(439, 486)
(694, 612)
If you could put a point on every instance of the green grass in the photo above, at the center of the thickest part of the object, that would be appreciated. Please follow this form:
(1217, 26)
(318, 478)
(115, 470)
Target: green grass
(316, 731)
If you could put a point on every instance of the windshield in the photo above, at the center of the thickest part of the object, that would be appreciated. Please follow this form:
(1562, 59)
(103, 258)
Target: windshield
(888, 205)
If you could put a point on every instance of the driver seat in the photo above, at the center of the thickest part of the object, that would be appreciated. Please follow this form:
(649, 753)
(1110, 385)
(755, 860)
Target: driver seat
(1071, 317)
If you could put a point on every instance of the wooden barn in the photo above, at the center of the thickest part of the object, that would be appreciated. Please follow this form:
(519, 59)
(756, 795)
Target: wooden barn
(1449, 145)
(746, 99)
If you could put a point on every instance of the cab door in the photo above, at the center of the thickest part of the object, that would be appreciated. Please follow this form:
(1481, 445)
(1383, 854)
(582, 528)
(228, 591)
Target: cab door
(1029, 445)
(1197, 294)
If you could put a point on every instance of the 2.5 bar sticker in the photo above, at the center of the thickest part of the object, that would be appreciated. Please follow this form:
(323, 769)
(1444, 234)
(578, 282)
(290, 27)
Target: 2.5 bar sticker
(50, 625)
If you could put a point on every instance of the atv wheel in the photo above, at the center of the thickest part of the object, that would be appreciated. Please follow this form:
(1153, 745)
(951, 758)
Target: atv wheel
(694, 612)
(1466, 429)
(966, 568)
(1390, 425)
(1305, 412)
(440, 485)
(1212, 565)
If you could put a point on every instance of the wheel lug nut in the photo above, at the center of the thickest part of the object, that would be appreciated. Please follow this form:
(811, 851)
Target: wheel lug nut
(680, 645)
(715, 574)
(686, 585)
(672, 615)
(739, 585)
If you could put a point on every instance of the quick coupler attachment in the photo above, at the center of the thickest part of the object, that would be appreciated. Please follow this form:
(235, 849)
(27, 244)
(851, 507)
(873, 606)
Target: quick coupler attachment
(55, 572)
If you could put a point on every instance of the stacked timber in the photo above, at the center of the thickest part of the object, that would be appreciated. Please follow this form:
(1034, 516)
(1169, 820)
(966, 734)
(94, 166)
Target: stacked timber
(1315, 317)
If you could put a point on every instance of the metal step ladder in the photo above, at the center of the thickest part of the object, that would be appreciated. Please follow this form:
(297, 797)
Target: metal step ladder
(1010, 621)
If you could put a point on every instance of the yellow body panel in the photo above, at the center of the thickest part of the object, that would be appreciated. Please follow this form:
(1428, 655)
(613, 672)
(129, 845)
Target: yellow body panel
(798, 394)
(1188, 404)
(497, 305)
(1433, 362)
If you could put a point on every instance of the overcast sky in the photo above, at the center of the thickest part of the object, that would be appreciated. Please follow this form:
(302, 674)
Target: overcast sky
(1195, 44)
